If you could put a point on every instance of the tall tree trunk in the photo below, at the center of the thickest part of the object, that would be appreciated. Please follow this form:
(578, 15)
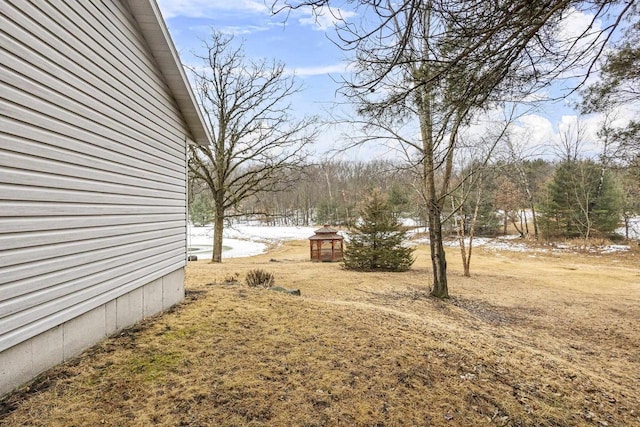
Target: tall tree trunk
(527, 189)
(626, 228)
(460, 225)
(218, 227)
(472, 233)
(438, 260)
(461, 235)
(434, 209)
(535, 220)
(504, 223)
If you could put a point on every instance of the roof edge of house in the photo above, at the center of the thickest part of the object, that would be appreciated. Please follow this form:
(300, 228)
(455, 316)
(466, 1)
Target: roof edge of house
(155, 31)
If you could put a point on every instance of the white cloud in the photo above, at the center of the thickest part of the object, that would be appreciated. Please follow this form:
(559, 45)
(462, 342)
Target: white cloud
(582, 33)
(538, 136)
(590, 144)
(340, 68)
(243, 30)
(236, 30)
(325, 18)
(578, 24)
(537, 129)
(208, 8)
(532, 136)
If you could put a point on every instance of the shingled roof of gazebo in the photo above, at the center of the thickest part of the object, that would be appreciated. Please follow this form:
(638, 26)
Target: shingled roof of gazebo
(325, 233)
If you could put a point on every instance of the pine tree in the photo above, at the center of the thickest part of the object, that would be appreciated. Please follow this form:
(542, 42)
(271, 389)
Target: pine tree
(200, 210)
(581, 200)
(376, 242)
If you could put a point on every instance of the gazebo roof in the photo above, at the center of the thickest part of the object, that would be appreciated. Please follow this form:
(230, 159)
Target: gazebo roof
(326, 232)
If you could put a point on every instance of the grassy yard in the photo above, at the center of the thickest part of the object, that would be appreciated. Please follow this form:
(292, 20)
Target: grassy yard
(544, 340)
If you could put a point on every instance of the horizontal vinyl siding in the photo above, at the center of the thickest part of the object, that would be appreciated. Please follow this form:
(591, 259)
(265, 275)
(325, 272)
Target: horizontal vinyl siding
(128, 76)
(92, 164)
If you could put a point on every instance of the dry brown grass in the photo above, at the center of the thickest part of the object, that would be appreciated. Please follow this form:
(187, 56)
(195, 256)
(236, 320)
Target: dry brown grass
(528, 340)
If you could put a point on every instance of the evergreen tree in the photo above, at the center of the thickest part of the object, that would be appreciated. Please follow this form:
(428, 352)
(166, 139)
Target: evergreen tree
(201, 210)
(619, 85)
(630, 178)
(376, 242)
(398, 200)
(581, 199)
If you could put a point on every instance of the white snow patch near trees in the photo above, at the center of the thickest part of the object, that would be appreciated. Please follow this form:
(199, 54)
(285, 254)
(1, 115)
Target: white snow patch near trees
(242, 240)
(245, 240)
(634, 229)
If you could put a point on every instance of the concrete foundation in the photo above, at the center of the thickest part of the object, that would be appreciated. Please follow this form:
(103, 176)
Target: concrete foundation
(22, 362)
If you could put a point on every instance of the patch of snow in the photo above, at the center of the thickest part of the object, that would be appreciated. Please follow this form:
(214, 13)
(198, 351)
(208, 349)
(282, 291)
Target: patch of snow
(409, 222)
(614, 248)
(243, 240)
(509, 237)
(279, 233)
(239, 249)
(477, 242)
(510, 243)
(509, 246)
(634, 229)
(501, 243)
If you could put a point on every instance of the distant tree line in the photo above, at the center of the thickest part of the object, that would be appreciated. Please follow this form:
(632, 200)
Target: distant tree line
(568, 198)
(325, 192)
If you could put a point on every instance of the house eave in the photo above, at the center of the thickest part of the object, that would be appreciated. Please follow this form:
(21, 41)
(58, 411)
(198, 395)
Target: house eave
(153, 27)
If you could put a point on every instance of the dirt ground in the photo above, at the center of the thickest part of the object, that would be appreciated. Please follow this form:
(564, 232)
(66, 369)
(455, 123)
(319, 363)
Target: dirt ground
(529, 339)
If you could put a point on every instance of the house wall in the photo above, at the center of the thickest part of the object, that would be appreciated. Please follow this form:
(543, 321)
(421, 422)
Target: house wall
(21, 362)
(92, 181)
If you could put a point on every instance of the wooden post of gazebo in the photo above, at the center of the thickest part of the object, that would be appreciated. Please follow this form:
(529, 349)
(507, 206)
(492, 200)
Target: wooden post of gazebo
(326, 245)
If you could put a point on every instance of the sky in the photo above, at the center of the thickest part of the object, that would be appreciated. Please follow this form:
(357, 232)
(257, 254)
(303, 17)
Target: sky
(304, 44)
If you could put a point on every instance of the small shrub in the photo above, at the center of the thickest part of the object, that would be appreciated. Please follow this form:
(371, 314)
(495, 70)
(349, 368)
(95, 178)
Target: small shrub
(260, 279)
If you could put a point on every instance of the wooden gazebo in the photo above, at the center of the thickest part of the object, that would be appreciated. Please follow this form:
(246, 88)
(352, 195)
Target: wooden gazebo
(326, 245)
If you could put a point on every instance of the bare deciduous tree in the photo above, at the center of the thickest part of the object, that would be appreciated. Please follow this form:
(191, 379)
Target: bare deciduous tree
(465, 238)
(255, 138)
(468, 186)
(518, 154)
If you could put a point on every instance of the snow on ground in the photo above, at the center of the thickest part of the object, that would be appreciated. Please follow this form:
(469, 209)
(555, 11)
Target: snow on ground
(514, 243)
(279, 233)
(409, 222)
(500, 243)
(614, 248)
(243, 240)
(634, 229)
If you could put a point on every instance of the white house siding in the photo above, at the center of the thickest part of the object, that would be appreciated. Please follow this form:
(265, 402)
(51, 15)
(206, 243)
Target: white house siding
(92, 175)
